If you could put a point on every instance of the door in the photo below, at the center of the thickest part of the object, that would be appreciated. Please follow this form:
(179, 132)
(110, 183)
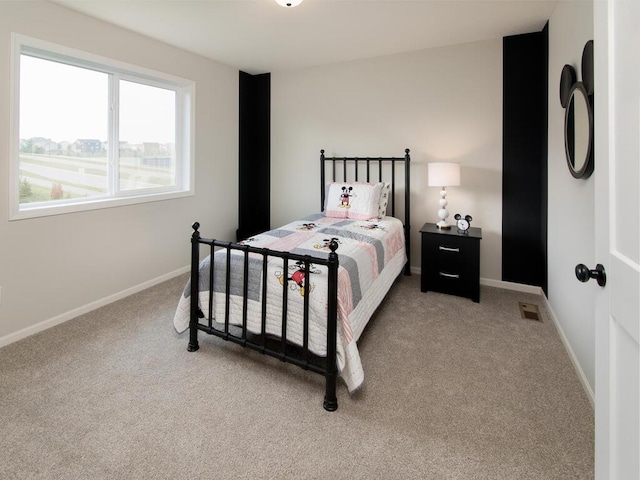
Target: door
(617, 183)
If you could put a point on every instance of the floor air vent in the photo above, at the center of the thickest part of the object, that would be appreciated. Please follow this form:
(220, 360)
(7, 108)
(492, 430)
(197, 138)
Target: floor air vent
(529, 311)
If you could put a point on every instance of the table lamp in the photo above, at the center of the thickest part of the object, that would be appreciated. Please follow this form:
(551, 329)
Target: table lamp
(443, 175)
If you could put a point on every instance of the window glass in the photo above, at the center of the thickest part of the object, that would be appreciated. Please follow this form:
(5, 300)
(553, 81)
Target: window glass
(63, 131)
(147, 136)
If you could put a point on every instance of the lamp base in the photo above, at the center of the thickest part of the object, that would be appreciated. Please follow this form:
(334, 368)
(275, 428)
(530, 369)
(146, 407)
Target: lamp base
(442, 213)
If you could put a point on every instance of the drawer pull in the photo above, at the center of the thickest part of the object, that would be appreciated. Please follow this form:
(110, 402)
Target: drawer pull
(449, 275)
(449, 249)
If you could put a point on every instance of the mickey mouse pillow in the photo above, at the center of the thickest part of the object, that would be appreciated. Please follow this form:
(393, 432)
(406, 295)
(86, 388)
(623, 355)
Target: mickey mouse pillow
(355, 200)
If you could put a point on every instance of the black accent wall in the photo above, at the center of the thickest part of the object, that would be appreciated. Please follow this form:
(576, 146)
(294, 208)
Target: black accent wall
(524, 158)
(254, 154)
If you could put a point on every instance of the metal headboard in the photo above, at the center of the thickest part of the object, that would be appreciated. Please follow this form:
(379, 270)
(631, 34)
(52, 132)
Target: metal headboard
(355, 167)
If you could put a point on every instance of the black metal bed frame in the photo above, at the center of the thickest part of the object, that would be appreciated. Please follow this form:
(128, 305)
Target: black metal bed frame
(281, 348)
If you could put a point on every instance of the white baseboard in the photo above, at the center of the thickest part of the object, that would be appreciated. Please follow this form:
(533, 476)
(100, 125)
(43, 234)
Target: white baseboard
(489, 282)
(567, 346)
(518, 287)
(58, 319)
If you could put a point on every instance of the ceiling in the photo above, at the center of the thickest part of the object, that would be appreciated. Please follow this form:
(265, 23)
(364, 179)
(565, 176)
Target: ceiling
(259, 36)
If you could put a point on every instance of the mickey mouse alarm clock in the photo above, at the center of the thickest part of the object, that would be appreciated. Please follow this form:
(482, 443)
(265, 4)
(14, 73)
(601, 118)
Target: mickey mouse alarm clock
(463, 223)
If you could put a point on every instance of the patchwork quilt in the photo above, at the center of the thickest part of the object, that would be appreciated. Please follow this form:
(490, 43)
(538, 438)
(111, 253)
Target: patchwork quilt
(365, 249)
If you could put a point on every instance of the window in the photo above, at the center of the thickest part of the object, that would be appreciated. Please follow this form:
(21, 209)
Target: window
(93, 132)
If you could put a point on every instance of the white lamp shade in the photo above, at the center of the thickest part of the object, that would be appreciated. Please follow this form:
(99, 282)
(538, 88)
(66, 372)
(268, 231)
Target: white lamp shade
(443, 174)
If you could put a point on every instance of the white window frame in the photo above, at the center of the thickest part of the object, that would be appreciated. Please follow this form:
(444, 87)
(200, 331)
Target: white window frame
(185, 129)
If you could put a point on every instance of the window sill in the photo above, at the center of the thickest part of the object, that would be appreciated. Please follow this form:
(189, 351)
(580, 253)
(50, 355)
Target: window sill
(48, 210)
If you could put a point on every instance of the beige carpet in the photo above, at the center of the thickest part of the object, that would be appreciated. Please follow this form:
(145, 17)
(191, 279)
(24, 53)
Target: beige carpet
(453, 390)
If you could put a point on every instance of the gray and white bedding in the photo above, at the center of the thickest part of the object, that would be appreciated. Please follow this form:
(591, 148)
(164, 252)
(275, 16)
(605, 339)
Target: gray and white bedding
(371, 255)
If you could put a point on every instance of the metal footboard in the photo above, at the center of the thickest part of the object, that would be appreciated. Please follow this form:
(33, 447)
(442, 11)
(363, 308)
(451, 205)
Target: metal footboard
(281, 348)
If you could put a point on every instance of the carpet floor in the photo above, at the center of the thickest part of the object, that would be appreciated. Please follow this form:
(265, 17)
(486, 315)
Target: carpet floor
(452, 390)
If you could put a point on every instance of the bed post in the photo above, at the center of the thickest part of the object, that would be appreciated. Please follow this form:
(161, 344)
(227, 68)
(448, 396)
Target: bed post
(330, 400)
(407, 211)
(322, 186)
(193, 311)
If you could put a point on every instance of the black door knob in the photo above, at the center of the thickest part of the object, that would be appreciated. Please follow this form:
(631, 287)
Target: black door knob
(584, 274)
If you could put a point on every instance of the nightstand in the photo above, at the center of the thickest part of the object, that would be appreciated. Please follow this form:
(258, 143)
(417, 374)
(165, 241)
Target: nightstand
(451, 261)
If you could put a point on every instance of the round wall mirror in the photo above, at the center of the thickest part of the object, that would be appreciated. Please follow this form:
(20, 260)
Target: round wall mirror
(578, 132)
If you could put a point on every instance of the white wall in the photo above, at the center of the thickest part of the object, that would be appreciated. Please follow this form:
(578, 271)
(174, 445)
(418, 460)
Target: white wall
(53, 265)
(444, 104)
(571, 233)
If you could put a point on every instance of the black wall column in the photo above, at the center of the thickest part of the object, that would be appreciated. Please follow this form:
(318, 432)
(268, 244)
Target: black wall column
(254, 154)
(524, 158)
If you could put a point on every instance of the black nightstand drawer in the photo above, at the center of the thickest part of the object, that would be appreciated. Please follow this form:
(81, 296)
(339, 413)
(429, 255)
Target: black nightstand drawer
(447, 282)
(450, 253)
(451, 261)
(444, 280)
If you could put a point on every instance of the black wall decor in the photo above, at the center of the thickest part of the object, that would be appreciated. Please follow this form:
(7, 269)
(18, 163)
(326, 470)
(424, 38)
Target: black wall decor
(524, 158)
(577, 100)
(254, 160)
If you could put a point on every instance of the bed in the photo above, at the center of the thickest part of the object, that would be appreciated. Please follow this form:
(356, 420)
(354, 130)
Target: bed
(304, 292)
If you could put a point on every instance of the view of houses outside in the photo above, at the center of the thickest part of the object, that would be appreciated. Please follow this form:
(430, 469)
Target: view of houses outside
(61, 170)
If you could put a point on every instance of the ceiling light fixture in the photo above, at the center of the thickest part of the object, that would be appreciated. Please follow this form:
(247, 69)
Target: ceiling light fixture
(289, 3)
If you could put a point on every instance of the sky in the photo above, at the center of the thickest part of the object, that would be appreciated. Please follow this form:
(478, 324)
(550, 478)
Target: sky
(65, 103)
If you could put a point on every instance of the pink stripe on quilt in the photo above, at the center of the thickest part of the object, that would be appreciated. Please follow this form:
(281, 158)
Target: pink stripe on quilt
(373, 258)
(394, 244)
(288, 243)
(345, 302)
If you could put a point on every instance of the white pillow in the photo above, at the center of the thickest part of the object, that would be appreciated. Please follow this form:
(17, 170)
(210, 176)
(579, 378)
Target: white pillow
(356, 200)
(385, 191)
